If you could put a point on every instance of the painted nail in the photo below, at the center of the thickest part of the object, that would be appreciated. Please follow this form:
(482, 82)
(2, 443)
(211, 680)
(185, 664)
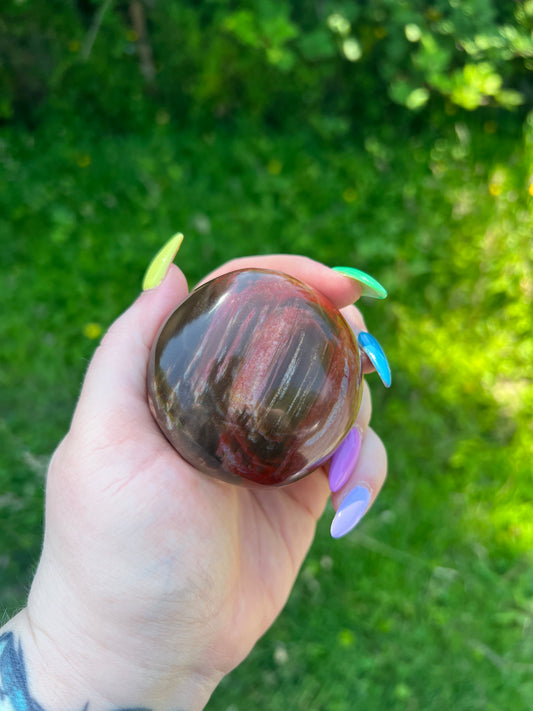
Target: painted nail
(369, 286)
(351, 511)
(344, 459)
(378, 358)
(159, 265)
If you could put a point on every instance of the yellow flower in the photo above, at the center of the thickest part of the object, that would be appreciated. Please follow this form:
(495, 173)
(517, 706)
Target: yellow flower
(495, 189)
(274, 167)
(92, 330)
(84, 160)
(349, 195)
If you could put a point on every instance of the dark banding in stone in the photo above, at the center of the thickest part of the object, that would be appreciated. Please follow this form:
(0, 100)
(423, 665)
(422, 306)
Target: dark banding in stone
(255, 378)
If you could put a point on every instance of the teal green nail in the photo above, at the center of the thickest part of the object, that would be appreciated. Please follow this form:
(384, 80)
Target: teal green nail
(369, 286)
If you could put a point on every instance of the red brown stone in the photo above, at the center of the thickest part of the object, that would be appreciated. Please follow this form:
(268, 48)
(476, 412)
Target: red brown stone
(255, 378)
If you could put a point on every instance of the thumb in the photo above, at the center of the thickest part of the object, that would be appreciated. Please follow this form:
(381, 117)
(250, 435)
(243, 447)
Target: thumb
(114, 389)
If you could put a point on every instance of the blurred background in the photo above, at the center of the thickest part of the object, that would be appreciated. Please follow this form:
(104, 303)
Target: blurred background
(395, 136)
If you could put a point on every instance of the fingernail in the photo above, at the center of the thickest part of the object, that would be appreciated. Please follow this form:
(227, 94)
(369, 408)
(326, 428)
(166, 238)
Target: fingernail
(369, 286)
(351, 511)
(378, 358)
(344, 459)
(159, 265)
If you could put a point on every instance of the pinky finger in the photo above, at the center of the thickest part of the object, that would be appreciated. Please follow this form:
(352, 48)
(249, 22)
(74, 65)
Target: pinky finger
(363, 486)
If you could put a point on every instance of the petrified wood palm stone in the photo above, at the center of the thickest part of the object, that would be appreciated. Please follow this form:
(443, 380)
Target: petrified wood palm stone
(255, 378)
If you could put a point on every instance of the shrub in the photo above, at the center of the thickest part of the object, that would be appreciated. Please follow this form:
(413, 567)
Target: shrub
(277, 60)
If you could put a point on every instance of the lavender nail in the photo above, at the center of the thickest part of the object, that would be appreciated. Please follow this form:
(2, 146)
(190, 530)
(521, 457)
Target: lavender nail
(350, 512)
(344, 459)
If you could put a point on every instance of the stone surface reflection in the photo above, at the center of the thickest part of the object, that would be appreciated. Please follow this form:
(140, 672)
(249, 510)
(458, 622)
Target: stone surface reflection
(255, 378)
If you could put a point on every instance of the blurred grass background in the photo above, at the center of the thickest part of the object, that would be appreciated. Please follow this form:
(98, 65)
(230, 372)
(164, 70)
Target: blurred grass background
(396, 137)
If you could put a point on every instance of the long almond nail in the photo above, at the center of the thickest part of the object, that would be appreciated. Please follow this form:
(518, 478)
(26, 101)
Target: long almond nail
(377, 356)
(344, 459)
(369, 286)
(159, 265)
(350, 512)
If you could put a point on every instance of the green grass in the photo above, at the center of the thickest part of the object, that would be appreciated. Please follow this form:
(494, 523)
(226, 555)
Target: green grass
(428, 605)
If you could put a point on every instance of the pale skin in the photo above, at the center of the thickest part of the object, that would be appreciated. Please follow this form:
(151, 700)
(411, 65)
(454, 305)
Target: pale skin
(156, 581)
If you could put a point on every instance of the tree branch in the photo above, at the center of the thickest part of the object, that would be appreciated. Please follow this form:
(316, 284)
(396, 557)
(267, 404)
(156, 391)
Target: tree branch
(94, 29)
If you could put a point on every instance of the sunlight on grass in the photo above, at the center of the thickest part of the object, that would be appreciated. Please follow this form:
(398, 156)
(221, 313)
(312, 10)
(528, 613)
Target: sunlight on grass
(412, 595)
(387, 136)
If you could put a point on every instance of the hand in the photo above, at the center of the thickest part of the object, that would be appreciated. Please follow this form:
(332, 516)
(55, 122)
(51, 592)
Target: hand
(155, 581)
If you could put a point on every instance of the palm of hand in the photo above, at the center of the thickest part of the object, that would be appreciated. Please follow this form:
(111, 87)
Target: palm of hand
(159, 538)
(154, 580)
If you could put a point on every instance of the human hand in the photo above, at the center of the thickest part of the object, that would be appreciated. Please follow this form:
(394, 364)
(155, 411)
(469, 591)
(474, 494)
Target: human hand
(156, 581)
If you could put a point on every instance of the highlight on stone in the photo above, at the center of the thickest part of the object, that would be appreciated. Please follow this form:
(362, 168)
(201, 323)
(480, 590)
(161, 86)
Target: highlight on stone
(255, 378)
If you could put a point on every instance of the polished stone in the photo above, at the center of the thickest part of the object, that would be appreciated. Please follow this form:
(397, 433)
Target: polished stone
(255, 378)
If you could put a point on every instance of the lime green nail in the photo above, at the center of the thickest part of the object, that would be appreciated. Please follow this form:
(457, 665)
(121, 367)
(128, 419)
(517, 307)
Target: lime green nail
(369, 285)
(159, 265)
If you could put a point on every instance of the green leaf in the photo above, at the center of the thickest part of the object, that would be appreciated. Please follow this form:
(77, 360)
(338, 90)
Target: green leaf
(417, 98)
(317, 45)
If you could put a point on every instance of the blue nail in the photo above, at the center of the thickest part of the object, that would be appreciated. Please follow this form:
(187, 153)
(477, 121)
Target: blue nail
(378, 358)
(351, 511)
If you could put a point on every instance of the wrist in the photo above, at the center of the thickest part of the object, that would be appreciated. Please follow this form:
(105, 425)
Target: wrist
(113, 647)
(57, 673)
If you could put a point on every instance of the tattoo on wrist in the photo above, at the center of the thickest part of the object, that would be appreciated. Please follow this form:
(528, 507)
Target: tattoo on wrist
(14, 691)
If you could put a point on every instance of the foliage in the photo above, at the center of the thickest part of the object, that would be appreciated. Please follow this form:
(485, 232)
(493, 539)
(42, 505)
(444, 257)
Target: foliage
(346, 134)
(340, 59)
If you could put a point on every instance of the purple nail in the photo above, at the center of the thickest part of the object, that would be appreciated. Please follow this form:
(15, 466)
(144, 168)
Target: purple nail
(351, 511)
(344, 459)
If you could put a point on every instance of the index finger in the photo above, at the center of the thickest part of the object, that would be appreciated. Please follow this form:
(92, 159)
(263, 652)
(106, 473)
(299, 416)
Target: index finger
(339, 289)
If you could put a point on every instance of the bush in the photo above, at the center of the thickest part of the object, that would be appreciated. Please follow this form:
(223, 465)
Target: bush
(276, 60)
